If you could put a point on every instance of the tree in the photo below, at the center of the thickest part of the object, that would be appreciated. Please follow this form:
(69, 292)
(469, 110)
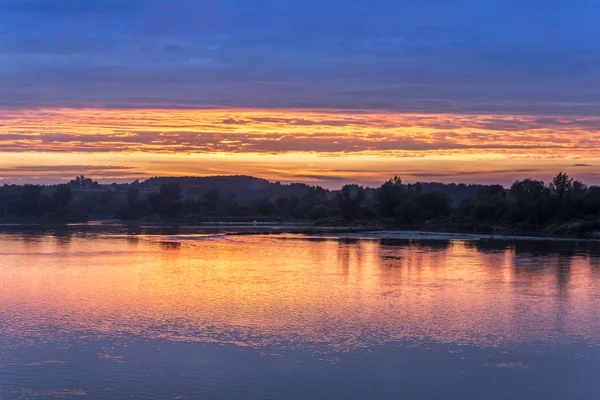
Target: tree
(575, 199)
(264, 207)
(301, 210)
(530, 198)
(492, 191)
(135, 208)
(318, 212)
(62, 195)
(170, 194)
(81, 182)
(284, 206)
(561, 184)
(568, 196)
(433, 205)
(389, 196)
(212, 197)
(528, 201)
(30, 200)
(349, 200)
(315, 195)
(106, 197)
(490, 205)
(155, 201)
(591, 202)
(133, 195)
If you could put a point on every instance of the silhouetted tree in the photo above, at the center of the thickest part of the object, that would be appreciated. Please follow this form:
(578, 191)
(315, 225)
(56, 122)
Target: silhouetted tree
(349, 200)
(155, 201)
(81, 182)
(318, 212)
(530, 198)
(301, 210)
(561, 184)
(62, 195)
(30, 200)
(315, 195)
(389, 196)
(490, 205)
(565, 203)
(133, 195)
(433, 205)
(170, 194)
(264, 207)
(591, 201)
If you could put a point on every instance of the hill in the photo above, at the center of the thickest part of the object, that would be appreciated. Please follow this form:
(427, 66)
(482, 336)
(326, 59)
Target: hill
(240, 186)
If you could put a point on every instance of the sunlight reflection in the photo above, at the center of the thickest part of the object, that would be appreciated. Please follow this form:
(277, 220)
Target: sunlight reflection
(286, 291)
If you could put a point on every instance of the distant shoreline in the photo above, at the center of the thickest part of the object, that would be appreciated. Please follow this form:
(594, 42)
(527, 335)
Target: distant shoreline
(564, 207)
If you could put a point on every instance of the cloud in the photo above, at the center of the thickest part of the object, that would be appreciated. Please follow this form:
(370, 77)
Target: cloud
(58, 173)
(270, 132)
(65, 168)
(233, 121)
(462, 174)
(319, 177)
(414, 56)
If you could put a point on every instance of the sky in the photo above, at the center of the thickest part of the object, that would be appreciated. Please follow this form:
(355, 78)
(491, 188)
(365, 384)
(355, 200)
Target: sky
(319, 91)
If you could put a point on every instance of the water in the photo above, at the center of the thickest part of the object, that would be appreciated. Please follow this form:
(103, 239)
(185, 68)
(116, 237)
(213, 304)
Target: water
(173, 315)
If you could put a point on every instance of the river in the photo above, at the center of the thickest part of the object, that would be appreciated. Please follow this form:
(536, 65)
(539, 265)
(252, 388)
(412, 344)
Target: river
(203, 314)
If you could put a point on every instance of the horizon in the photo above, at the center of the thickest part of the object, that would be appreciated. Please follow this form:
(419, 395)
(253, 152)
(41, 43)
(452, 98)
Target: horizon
(291, 182)
(318, 93)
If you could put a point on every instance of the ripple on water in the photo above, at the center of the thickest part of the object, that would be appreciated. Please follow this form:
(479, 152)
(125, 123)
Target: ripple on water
(264, 291)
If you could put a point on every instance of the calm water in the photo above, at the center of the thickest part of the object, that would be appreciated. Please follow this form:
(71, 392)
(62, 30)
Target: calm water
(111, 315)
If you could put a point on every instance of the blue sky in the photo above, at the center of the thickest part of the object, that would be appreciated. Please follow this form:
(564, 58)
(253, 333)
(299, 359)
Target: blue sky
(484, 56)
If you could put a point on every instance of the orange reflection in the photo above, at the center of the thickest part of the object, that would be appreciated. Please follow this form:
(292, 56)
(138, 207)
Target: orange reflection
(286, 291)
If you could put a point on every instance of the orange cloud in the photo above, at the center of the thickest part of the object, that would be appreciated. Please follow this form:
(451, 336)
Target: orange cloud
(255, 131)
(292, 144)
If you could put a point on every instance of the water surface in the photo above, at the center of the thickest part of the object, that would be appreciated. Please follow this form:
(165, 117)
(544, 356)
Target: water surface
(172, 314)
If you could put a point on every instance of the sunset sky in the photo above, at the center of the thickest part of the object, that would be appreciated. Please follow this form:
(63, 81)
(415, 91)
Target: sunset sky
(318, 91)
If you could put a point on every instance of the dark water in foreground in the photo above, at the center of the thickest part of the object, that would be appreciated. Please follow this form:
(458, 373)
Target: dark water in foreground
(144, 316)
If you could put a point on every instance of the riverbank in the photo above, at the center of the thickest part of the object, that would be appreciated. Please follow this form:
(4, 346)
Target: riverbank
(340, 229)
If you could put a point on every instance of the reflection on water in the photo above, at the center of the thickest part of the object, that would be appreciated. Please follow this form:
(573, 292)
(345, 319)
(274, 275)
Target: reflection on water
(292, 297)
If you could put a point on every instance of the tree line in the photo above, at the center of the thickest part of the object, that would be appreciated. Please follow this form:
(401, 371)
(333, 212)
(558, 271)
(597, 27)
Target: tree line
(527, 204)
